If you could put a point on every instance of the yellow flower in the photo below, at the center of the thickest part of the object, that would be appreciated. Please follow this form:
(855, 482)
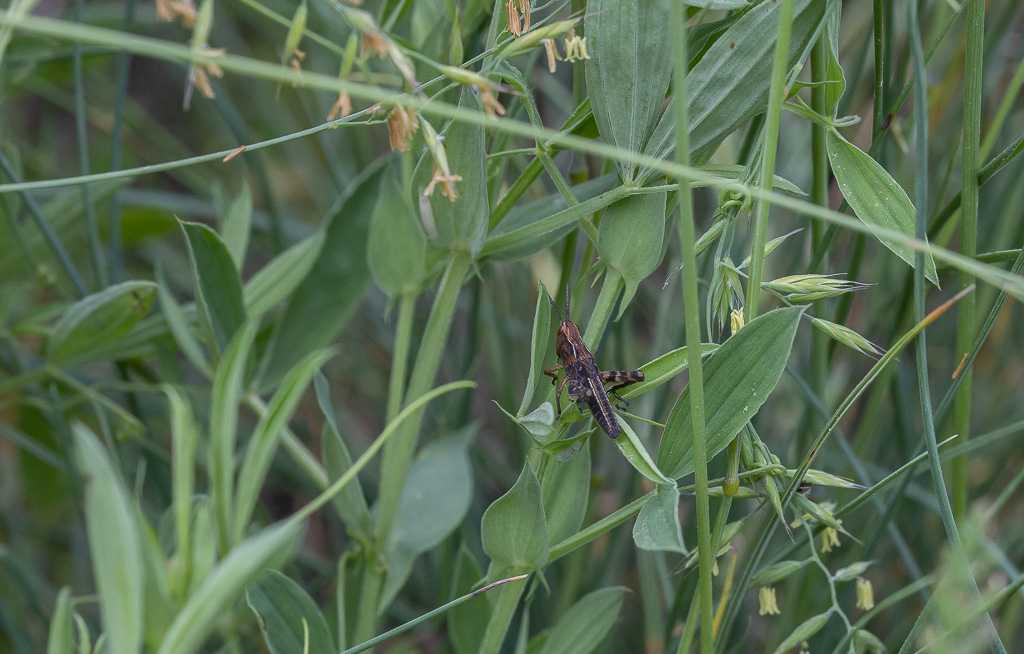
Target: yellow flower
(575, 47)
(736, 320)
(769, 604)
(829, 539)
(865, 595)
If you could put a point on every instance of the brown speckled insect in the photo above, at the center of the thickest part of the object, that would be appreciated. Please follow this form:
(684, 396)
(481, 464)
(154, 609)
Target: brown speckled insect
(587, 383)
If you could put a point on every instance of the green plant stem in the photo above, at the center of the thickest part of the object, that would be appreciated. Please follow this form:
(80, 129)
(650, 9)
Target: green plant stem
(877, 34)
(400, 356)
(501, 617)
(921, 222)
(91, 225)
(362, 647)
(602, 313)
(819, 196)
(966, 313)
(691, 310)
(124, 61)
(770, 148)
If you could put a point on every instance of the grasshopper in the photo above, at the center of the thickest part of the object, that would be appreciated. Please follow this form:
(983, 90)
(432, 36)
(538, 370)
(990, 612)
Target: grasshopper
(587, 383)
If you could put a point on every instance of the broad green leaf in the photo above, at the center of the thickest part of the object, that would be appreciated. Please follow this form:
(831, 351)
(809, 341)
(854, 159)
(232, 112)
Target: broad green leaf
(236, 221)
(204, 542)
(626, 73)
(630, 237)
(565, 491)
(61, 636)
(637, 454)
(805, 630)
(462, 224)
(228, 381)
(350, 503)
(875, 197)
(213, 600)
(217, 285)
(737, 380)
(156, 595)
(267, 436)
(114, 546)
(467, 621)
(585, 626)
(281, 606)
(276, 280)
(730, 83)
(396, 248)
(330, 293)
(513, 529)
(98, 319)
(538, 346)
(663, 369)
(657, 526)
(718, 4)
(434, 502)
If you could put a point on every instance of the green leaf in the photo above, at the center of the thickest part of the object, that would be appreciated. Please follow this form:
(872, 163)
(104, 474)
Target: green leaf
(875, 197)
(434, 502)
(276, 280)
(218, 287)
(513, 529)
(565, 491)
(330, 293)
(730, 83)
(179, 324)
(462, 224)
(61, 636)
(626, 74)
(467, 621)
(98, 320)
(281, 607)
(532, 227)
(397, 245)
(637, 454)
(212, 601)
(267, 436)
(236, 221)
(184, 441)
(737, 380)
(538, 346)
(657, 526)
(776, 572)
(228, 382)
(834, 73)
(806, 629)
(735, 171)
(350, 503)
(114, 546)
(664, 369)
(630, 237)
(585, 626)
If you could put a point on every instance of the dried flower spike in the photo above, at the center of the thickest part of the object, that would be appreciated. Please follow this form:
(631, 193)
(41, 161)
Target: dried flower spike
(402, 124)
(446, 181)
(342, 107)
(512, 13)
(552, 51)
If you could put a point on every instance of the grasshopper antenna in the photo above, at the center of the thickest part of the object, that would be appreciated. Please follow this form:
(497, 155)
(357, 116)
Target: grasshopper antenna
(566, 301)
(553, 307)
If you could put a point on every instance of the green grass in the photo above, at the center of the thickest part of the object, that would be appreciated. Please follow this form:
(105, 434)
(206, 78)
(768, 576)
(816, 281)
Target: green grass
(267, 399)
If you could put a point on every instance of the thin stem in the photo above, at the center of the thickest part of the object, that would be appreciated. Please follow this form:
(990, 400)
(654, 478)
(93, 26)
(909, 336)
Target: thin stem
(966, 312)
(691, 310)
